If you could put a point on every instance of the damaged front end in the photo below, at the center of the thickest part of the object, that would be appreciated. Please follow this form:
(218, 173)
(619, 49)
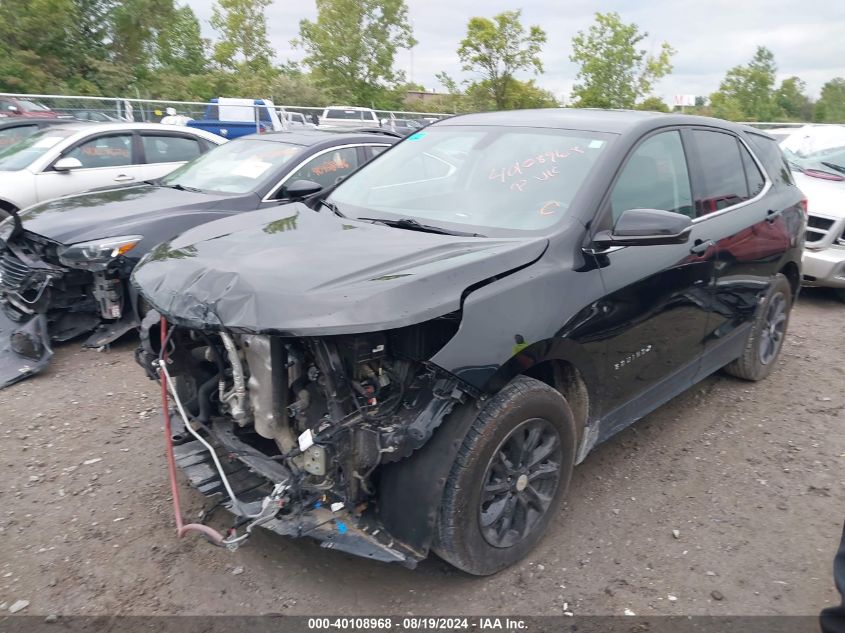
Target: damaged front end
(302, 429)
(52, 292)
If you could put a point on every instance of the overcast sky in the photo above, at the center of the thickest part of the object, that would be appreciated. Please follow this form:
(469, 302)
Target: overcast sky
(807, 38)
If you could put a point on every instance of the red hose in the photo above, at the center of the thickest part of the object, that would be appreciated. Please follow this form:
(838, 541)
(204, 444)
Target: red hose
(181, 529)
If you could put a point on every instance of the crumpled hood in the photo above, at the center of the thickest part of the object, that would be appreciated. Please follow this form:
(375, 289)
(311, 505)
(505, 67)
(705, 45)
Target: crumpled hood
(293, 271)
(826, 197)
(110, 213)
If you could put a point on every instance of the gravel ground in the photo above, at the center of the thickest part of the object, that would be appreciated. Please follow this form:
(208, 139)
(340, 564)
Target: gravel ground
(727, 500)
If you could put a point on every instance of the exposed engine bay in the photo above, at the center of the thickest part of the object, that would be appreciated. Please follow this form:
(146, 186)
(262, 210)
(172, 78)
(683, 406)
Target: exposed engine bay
(304, 425)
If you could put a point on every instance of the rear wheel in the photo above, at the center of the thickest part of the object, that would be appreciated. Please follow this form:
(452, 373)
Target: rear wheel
(508, 480)
(767, 334)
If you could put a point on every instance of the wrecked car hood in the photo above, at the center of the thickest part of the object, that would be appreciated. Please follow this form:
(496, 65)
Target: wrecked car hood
(112, 212)
(293, 271)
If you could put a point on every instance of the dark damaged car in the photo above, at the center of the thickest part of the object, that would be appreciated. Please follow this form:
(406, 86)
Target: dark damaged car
(65, 264)
(418, 359)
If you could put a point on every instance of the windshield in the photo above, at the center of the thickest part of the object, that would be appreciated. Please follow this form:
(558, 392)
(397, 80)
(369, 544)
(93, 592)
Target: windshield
(23, 153)
(239, 166)
(29, 106)
(485, 177)
(817, 149)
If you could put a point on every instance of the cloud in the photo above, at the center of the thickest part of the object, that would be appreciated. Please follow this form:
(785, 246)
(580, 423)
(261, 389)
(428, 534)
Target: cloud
(710, 36)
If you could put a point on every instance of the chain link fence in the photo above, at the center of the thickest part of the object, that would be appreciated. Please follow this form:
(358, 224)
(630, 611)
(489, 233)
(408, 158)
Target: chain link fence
(112, 109)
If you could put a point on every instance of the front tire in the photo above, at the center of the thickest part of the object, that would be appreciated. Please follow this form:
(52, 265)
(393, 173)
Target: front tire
(767, 334)
(509, 479)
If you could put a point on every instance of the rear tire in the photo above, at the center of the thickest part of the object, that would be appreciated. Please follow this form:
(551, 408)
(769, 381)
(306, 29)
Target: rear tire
(767, 334)
(840, 294)
(508, 480)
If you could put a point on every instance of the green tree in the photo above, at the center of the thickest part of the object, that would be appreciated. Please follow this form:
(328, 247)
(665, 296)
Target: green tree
(180, 47)
(243, 43)
(747, 92)
(496, 49)
(653, 104)
(830, 108)
(791, 99)
(294, 87)
(351, 47)
(613, 71)
(36, 44)
(136, 25)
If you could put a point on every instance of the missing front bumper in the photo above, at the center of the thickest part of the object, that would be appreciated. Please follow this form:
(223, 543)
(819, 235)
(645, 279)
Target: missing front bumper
(357, 534)
(24, 347)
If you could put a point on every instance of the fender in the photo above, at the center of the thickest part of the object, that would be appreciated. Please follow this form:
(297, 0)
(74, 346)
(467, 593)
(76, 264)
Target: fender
(410, 490)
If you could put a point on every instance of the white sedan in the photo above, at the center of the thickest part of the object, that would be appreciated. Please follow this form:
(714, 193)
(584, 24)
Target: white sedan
(65, 159)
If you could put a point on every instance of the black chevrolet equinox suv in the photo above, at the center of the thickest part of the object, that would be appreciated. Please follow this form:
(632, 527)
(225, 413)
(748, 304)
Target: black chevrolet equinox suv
(416, 359)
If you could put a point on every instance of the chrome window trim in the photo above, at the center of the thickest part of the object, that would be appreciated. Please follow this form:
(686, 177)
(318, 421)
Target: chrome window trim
(768, 184)
(270, 197)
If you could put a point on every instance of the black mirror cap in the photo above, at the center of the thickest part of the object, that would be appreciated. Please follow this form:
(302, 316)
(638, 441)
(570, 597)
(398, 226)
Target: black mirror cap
(299, 189)
(647, 227)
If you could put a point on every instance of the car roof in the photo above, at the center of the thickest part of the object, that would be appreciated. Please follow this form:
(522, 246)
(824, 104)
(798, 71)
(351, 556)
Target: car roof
(593, 119)
(307, 138)
(358, 108)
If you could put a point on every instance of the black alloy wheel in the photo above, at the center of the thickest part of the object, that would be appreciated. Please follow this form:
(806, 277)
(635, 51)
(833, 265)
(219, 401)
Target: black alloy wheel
(521, 480)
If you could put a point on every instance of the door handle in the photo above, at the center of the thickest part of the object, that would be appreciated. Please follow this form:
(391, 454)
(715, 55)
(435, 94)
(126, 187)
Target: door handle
(124, 178)
(700, 247)
(772, 215)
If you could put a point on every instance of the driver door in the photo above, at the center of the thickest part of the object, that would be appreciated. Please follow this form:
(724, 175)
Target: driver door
(657, 296)
(106, 160)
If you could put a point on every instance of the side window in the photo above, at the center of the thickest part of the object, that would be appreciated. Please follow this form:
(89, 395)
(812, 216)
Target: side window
(723, 177)
(753, 177)
(328, 167)
(655, 177)
(5, 106)
(769, 152)
(104, 151)
(170, 149)
(12, 135)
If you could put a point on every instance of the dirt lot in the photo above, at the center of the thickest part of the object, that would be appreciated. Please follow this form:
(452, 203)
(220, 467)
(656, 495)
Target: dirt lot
(752, 476)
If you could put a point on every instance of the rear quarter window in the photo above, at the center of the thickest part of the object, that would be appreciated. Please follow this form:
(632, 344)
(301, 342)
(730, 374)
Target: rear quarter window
(769, 153)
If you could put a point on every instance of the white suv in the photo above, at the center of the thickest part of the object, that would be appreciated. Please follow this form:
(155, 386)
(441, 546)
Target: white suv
(817, 156)
(349, 117)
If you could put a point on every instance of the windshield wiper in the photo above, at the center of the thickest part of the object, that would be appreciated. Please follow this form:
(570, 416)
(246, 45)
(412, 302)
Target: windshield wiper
(413, 225)
(179, 187)
(331, 206)
(838, 168)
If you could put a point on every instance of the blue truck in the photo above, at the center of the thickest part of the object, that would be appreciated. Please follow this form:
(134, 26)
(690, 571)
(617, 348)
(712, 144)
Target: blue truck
(231, 118)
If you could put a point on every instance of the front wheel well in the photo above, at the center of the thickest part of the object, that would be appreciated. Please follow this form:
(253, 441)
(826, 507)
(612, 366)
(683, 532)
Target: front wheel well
(566, 378)
(793, 275)
(7, 206)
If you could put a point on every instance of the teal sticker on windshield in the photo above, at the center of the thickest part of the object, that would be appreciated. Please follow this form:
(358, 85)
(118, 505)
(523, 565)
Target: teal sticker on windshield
(416, 136)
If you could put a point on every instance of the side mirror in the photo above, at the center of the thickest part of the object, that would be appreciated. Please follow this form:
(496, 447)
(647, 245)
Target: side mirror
(67, 163)
(299, 189)
(642, 227)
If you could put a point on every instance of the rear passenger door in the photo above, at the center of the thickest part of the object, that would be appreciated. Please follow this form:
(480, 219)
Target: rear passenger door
(162, 153)
(657, 302)
(747, 236)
